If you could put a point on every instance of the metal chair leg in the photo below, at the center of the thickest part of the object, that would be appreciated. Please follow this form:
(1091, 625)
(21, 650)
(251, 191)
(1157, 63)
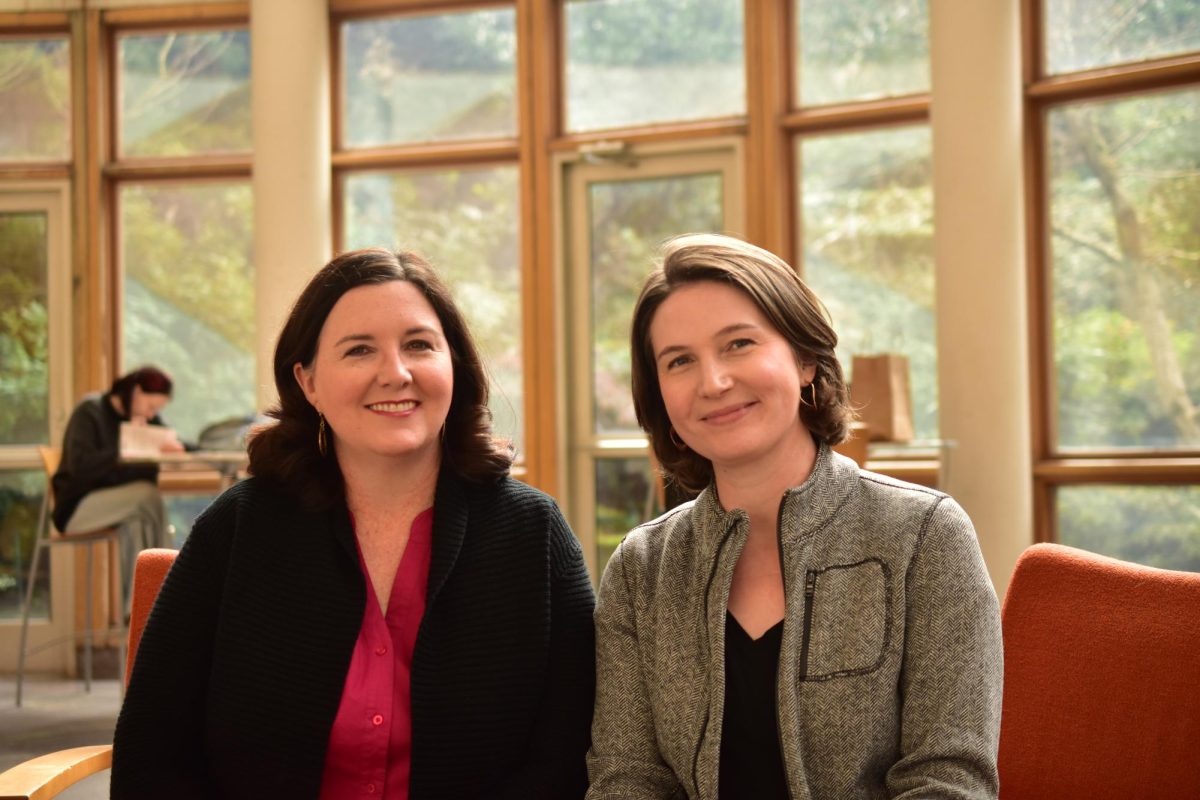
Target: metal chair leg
(87, 631)
(26, 610)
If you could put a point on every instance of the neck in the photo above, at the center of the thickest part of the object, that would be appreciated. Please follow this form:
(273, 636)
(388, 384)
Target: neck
(118, 406)
(758, 487)
(391, 487)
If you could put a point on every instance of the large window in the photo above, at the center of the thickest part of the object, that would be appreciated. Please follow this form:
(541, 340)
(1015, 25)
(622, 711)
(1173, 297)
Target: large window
(183, 215)
(426, 157)
(35, 166)
(1115, 96)
(863, 166)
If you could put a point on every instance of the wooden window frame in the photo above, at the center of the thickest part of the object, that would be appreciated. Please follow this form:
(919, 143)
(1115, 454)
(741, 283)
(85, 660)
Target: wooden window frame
(1053, 467)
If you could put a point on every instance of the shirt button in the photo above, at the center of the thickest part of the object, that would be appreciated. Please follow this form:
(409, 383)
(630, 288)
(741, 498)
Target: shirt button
(370, 788)
(381, 651)
(377, 719)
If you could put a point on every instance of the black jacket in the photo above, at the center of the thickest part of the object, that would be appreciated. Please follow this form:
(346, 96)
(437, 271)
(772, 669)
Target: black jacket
(240, 671)
(90, 449)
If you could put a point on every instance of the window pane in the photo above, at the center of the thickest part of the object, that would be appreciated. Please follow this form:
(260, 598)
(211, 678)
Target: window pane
(1082, 34)
(20, 507)
(1125, 255)
(189, 295)
(867, 219)
(35, 93)
(634, 62)
(625, 498)
(429, 77)
(24, 330)
(465, 222)
(1154, 525)
(860, 49)
(629, 220)
(184, 93)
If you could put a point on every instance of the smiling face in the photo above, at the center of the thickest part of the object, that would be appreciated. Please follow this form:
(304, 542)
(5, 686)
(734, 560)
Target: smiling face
(382, 376)
(730, 382)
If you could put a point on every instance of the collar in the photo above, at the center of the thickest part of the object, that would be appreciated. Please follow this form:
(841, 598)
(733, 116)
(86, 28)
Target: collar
(803, 508)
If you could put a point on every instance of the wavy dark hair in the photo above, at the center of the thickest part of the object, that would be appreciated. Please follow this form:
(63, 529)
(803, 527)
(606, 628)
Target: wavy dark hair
(286, 452)
(150, 380)
(783, 298)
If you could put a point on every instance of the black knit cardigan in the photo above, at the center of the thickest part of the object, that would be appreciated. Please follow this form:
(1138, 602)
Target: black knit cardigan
(240, 671)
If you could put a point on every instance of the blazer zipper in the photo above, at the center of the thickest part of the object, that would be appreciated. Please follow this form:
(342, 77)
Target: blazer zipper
(810, 589)
(712, 575)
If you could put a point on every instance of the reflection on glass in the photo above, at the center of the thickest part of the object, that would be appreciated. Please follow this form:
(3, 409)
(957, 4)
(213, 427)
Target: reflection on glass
(189, 295)
(1125, 256)
(628, 221)
(182, 510)
(1151, 525)
(867, 217)
(20, 506)
(420, 78)
(35, 93)
(24, 330)
(860, 49)
(465, 221)
(625, 497)
(635, 62)
(1082, 34)
(184, 94)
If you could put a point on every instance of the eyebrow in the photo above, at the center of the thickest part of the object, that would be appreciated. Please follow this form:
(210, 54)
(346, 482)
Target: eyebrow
(728, 329)
(366, 337)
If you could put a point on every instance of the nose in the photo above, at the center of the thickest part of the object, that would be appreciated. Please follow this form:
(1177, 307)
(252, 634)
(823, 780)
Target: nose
(714, 378)
(394, 371)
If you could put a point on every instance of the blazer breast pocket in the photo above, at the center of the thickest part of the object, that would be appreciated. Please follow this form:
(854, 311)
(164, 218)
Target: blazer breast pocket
(847, 620)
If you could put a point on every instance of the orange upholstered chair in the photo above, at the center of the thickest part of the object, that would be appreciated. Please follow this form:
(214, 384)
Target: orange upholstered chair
(46, 776)
(1101, 679)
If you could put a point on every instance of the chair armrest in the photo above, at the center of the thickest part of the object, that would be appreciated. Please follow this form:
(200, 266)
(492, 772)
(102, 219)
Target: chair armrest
(46, 776)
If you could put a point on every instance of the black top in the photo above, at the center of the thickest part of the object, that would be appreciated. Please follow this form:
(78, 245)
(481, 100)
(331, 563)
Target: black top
(91, 447)
(241, 668)
(751, 761)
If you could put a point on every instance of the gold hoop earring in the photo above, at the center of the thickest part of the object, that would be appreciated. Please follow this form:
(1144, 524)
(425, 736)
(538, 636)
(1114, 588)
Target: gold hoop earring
(322, 446)
(675, 440)
(812, 386)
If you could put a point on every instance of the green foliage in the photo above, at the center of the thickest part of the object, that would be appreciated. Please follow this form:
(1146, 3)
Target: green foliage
(858, 49)
(20, 504)
(24, 330)
(430, 77)
(189, 295)
(465, 222)
(646, 33)
(1154, 525)
(185, 93)
(629, 220)
(1083, 34)
(868, 250)
(35, 92)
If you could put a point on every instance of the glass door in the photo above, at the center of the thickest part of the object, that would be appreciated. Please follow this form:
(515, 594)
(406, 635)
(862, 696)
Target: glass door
(34, 391)
(620, 209)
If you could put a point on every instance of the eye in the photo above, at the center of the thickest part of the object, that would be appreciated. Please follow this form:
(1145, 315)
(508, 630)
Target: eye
(357, 350)
(738, 344)
(418, 344)
(678, 361)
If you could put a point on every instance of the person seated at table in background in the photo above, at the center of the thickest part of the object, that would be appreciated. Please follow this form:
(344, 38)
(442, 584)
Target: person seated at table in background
(803, 628)
(94, 489)
(380, 609)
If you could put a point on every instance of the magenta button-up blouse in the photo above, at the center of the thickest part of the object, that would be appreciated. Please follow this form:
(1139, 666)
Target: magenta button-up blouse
(370, 746)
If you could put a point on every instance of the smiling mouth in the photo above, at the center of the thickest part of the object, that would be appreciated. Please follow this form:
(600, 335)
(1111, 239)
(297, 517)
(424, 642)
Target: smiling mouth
(404, 405)
(726, 413)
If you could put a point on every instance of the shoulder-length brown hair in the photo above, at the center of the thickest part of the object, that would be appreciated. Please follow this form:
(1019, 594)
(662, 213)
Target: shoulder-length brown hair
(286, 453)
(786, 301)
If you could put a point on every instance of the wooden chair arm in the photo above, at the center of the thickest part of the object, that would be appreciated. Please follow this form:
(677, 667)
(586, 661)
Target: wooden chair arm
(46, 776)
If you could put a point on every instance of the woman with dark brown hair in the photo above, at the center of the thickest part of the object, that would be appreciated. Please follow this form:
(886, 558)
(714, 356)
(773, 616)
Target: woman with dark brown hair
(803, 628)
(94, 488)
(380, 610)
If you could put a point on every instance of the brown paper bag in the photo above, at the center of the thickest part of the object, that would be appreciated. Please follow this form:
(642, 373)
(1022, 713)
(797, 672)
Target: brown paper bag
(879, 391)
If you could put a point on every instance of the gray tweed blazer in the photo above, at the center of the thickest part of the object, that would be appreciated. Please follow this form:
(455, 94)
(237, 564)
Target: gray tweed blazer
(890, 671)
